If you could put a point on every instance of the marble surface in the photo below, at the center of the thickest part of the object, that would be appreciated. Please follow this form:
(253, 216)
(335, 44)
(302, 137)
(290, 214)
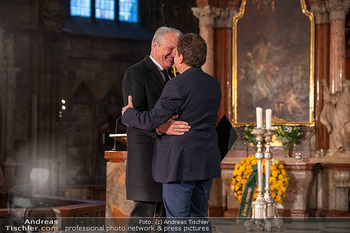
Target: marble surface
(318, 186)
(116, 203)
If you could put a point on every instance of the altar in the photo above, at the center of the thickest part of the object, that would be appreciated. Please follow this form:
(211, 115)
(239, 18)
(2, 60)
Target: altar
(319, 187)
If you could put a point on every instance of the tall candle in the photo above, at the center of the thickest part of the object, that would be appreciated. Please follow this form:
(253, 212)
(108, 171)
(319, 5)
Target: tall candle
(259, 117)
(268, 118)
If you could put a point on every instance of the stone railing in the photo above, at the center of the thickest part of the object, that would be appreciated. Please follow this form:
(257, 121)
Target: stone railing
(66, 206)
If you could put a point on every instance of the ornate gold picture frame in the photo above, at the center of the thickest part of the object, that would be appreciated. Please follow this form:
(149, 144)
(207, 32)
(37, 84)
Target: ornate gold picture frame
(273, 62)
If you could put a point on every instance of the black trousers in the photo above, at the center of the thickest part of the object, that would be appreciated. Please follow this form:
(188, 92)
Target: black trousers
(143, 215)
(148, 209)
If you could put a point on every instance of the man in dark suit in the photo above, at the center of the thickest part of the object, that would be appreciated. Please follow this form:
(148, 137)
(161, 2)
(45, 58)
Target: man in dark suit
(145, 82)
(185, 164)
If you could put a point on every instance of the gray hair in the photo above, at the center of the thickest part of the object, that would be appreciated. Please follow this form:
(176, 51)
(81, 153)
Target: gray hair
(159, 35)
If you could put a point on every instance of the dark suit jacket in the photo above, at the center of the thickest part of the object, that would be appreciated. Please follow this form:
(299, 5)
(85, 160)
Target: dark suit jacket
(195, 96)
(144, 83)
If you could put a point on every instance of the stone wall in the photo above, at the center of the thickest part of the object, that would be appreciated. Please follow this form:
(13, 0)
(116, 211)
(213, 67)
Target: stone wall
(81, 62)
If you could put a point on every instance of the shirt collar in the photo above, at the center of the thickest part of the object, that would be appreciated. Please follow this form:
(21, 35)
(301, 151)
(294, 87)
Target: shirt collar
(155, 62)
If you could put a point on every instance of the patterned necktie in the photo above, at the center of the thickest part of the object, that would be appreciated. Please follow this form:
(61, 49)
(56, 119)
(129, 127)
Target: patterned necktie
(166, 76)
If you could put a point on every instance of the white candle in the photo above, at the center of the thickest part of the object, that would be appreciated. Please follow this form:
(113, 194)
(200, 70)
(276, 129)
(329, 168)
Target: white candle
(268, 118)
(259, 117)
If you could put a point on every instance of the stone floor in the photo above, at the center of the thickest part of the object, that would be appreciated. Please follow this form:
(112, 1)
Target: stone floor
(219, 225)
(309, 225)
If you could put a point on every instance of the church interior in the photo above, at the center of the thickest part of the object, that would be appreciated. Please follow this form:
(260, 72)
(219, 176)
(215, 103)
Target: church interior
(61, 96)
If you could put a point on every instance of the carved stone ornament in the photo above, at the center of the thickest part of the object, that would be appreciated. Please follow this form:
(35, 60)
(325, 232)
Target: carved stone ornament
(206, 15)
(338, 9)
(321, 13)
(342, 179)
(342, 183)
(225, 18)
(335, 116)
(51, 18)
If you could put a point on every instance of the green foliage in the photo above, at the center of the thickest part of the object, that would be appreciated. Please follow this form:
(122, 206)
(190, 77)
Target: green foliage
(289, 134)
(285, 134)
(248, 136)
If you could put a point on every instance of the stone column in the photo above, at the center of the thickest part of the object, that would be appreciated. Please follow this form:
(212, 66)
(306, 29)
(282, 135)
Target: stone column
(47, 89)
(2, 49)
(2, 93)
(8, 74)
(10, 103)
(223, 72)
(223, 59)
(207, 16)
(338, 10)
(322, 30)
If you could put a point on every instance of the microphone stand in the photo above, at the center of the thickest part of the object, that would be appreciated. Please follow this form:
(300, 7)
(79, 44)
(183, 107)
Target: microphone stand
(116, 131)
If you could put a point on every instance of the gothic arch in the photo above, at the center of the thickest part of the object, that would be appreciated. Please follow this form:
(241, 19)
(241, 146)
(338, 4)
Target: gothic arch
(78, 138)
(110, 107)
(82, 94)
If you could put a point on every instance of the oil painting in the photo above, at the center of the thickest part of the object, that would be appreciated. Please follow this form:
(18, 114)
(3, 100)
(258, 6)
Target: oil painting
(273, 60)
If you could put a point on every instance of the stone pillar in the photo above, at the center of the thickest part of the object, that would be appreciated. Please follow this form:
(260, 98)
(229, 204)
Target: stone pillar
(9, 126)
(338, 10)
(342, 183)
(223, 59)
(207, 16)
(215, 25)
(322, 30)
(2, 49)
(47, 89)
(2, 94)
(8, 74)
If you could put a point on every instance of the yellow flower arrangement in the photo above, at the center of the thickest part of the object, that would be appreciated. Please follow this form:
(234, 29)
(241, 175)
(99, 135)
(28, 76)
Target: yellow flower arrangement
(279, 180)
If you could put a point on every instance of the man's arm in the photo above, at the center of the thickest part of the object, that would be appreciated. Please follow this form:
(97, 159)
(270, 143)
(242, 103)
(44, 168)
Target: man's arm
(173, 127)
(133, 85)
(147, 120)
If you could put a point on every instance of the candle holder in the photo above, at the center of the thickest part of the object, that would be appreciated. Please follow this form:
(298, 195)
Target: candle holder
(259, 206)
(298, 157)
(264, 207)
(271, 205)
(271, 211)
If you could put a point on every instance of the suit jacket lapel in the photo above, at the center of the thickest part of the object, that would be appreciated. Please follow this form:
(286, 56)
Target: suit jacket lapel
(154, 72)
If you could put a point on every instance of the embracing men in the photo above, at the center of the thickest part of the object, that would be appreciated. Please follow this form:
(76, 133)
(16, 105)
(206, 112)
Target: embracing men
(185, 164)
